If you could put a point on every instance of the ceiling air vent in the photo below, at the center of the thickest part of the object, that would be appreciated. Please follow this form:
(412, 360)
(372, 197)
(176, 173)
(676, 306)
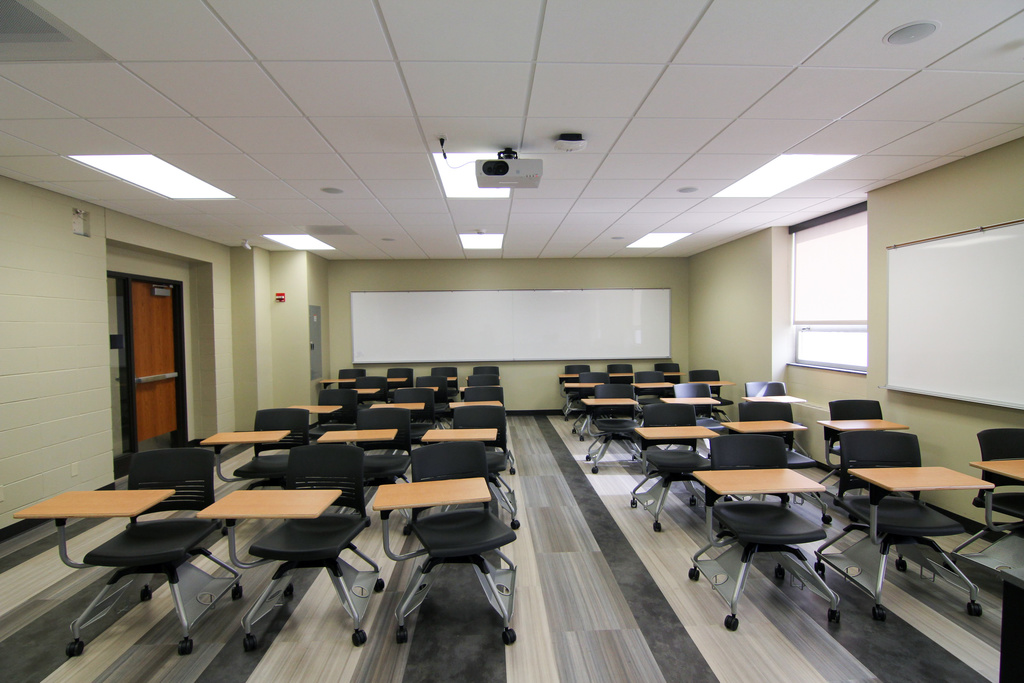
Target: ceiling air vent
(28, 33)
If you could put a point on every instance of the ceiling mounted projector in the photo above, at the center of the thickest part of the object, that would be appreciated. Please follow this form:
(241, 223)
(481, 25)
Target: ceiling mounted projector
(508, 171)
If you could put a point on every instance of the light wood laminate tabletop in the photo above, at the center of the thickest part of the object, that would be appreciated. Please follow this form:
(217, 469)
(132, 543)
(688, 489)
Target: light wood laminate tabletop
(1007, 468)
(753, 482)
(407, 406)
(354, 435)
(442, 435)
(897, 479)
(421, 494)
(463, 404)
(271, 504)
(774, 399)
(108, 503)
(763, 426)
(233, 438)
(692, 400)
(861, 425)
(655, 433)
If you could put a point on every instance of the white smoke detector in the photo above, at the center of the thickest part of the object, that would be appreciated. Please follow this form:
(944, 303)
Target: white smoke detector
(570, 142)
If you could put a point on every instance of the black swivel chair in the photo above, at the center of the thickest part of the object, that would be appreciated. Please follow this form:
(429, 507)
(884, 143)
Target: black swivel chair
(341, 419)
(439, 384)
(764, 389)
(403, 374)
(756, 411)
(572, 396)
(351, 373)
(846, 409)
(485, 393)
(678, 462)
(486, 370)
(650, 396)
(619, 368)
(666, 367)
(461, 535)
(160, 546)
(747, 527)
(483, 380)
(317, 543)
(448, 371)
(270, 470)
(1008, 550)
(611, 423)
(705, 417)
(421, 421)
(499, 457)
(579, 426)
(888, 520)
(378, 384)
(712, 376)
(389, 466)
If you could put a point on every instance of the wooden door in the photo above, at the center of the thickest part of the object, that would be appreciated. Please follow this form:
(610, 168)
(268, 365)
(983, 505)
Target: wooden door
(156, 374)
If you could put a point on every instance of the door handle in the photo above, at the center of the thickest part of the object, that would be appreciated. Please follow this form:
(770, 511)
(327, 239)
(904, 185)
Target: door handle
(155, 378)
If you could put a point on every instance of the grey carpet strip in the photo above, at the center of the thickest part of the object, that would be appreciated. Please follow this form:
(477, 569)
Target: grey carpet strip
(676, 653)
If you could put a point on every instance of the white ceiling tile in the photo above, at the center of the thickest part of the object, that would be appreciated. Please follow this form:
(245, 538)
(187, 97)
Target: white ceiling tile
(20, 103)
(692, 222)
(269, 135)
(446, 30)
(725, 204)
(484, 211)
(823, 188)
(320, 29)
(232, 208)
(813, 93)
(128, 30)
(665, 204)
(927, 166)
(703, 187)
(404, 189)
(648, 32)
(534, 223)
(945, 137)
(471, 135)
(1004, 107)
(371, 135)
(784, 205)
(668, 136)
(429, 208)
(53, 168)
(873, 166)
(855, 137)
(104, 189)
(862, 44)
(939, 93)
(573, 165)
(356, 88)
(524, 203)
(255, 221)
(387, 166)
(258, 189)
(600, 134)
(68, 136)
(305, 166)
(721, 165)
(743, 32)
(280, 207)
(467, 89)
(211, 167)
(629, 188)
(603, 205)
(640, 165)
(559, 250)
(997, 50)
(991, 142)
(421, 221)
(350, 189)
(710, 92)
(558, 188)
(216, 88)
(648, 221)
(345, 207)
(168, 135)
(593, 90)
(762, 136)
(369, 222)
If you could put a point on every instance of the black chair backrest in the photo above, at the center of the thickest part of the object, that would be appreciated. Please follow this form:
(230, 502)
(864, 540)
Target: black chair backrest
(438, 384)
(484, 394)
(854, 409)
(747, 451)
(329, 466)
(1001, 444)
(424, 395)
(189, 471)
(405, 374)
(620, 367)
(695, 390)
(764, 389)
(444, 371)
(347, 398)
(387, 418)
(450, 460)
(486, 370)
(295, 420)
(648, 376)
(576, 369)
(614, 391)
(373, 382)
(483, 380)
(875, 449)
(483, 417)
(666, 367)
(669, 415)
(351, 373)
(589, 376)
(752, 411)
(704, 376)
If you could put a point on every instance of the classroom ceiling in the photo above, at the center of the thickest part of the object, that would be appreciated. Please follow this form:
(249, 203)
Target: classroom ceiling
(272, 101)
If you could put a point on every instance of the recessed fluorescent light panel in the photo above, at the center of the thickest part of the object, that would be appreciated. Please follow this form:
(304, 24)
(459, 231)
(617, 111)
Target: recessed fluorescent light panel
(782, 173)
(657, 240)
(153, 174)
(458, 176)
(475, 241)
(304, 242)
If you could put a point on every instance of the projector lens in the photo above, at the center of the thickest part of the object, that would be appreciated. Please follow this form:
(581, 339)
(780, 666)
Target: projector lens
(495, 167)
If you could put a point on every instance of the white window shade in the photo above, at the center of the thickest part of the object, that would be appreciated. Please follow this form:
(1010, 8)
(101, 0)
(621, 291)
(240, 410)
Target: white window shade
(830, 274)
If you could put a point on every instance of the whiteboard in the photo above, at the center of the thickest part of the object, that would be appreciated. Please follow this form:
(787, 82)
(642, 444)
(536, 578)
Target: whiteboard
(508, 325)
(956, 317)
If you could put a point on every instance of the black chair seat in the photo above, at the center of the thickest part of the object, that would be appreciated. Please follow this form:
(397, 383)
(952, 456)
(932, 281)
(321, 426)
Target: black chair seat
(754, 522)
(795, 461)
(305, 540)
(675, 461)
(901, 516)
(458, 533)
(161, 541)
(418, 429)
(1006, 503)
(385, 466)
(713, 425)
(615, 424)
(264, 467)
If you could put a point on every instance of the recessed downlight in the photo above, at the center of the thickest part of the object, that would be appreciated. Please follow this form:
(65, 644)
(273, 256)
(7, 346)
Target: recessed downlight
(911, 33)
(687, 190)
(332, 190)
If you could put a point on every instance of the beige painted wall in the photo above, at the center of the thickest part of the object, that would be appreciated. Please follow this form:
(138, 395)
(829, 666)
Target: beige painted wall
(289, 326)
(316, 274)
(529, 385)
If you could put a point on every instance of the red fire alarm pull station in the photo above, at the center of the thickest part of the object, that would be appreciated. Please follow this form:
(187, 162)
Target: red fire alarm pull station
(279, 297)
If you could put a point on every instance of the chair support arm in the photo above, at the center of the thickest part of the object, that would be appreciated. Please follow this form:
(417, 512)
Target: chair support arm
(233, 549)
(62, 545)
(387, 542)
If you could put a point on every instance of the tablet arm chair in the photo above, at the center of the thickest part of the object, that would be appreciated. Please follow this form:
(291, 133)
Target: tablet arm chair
(579, 426)
(485, 393)
(712, 376)
(451, 375)
(341, 419)
(420, 421)
(678, 462)
(1008, 550)
(483, 380)
(846, 409)
(888, 521)
(160, 546)
(486, 370)
(650, 396)
(620, 368)
(612, 423)
(387, 467)
(270, 470)
(498, 454)
(460, 535)
(705, 416)
(439, 385)
(319, 542)
(666, 367)
(746, 527)
(764, 389)
(376, 382)
(572, 396)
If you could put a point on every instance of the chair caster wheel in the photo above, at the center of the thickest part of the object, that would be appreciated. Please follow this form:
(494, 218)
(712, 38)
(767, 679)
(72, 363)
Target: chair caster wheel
(657, 526)
(581, 437)
(185, 646)
(236, 592)
(406, 530)
(878, 613)
(75, 648)
(593, 470)
(508, 636)
(401, 635)
(514, 524)
(973, 609)
(694, 574)
(693, 501)
(819, 567)
(511, 470)
(901, 564)
(826, 519)
(833, 616)
(587, 458)
(358, 637)
(780, 572)
(632, 502)
(249, 642)
(731, 622)
(288, 591)
(378, 586)
(145, 594)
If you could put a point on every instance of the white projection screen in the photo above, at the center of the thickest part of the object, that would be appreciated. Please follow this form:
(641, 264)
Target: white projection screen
(509, 325)
(956, 317)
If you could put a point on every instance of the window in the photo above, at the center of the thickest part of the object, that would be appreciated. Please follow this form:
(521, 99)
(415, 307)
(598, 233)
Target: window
(830, 292)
